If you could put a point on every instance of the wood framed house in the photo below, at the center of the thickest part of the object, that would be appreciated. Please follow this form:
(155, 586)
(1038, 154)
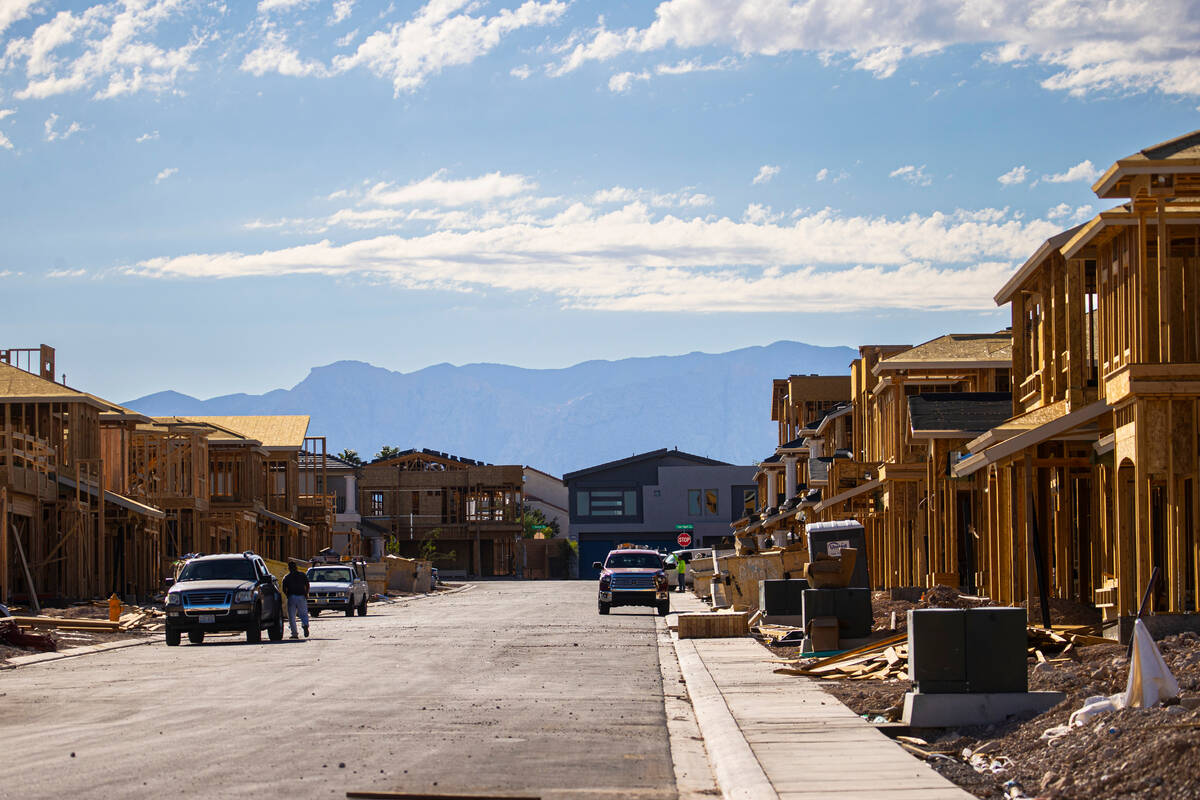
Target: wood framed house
(254, 483)
(899, 546)
(1095, 474)
(71, 530)
(467, 512)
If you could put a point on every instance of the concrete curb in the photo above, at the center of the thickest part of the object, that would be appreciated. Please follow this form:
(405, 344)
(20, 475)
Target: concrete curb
(42, 658)
(738, 773)
(693, 772)
(433, 595)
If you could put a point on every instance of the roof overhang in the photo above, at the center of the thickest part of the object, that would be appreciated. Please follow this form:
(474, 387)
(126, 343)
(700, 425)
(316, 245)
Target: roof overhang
(117, 499)
(1034, 436)
(300, 526)
(848, 494)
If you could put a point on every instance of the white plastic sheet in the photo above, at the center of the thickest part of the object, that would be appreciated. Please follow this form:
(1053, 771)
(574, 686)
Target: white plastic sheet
(1150, 682)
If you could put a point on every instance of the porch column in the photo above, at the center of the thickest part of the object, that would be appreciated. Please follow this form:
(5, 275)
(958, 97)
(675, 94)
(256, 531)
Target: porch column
(351, 496)
(789, 476)
(772, 492)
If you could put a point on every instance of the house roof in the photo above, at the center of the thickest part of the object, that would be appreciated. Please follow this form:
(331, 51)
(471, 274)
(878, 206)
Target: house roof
(17, 384)
(284, 431)
(954, 351)
(963, 413)
(653, 454)
(1181, 154)
(837, 411)
(1013, 284)
(214, 431)
(313, 460)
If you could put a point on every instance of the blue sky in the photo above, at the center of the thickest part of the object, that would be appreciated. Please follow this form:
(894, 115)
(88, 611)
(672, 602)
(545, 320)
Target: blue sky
(214, 196)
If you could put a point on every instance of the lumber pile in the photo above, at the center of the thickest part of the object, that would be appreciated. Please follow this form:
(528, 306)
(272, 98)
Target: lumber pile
(888, 658)
(66, 623)
(882, 660)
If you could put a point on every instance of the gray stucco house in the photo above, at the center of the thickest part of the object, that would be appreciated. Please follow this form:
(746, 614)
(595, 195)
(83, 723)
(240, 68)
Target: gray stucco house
(641, 499)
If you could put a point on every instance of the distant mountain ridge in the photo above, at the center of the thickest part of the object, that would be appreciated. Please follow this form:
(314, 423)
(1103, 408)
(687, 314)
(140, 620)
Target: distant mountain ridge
(557, 420)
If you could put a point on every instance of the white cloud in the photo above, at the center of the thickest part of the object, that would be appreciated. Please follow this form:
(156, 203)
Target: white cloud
(765, 173)
(66, 273)
(696, 65)
(1065, 213)
(1083, 171)
(632, 259)
(5, 142)
(437, 37)
(912, 174)
(53, 135)
(265, 6)
(106, 47)
(685, 198)
(147, 137)
(14, 11)
(439, 191)
(1088, 45)
(622, 81)
(825, 173)
(341, 11)
(165, 173)
(1014, 176)
(274, 55)
(521, 72)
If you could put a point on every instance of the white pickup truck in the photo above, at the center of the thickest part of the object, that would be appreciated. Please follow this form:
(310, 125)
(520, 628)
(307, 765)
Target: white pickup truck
(339, 586)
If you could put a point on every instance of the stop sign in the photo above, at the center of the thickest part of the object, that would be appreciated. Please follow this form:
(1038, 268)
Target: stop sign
(684, 539)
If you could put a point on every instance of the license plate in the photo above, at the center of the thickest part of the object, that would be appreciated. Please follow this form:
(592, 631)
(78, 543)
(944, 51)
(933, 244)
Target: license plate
(207, 619)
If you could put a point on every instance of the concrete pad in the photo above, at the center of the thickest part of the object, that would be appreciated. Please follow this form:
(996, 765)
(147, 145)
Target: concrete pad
(975, 708)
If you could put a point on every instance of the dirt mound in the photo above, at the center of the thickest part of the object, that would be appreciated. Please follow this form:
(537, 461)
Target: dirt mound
(946, 597)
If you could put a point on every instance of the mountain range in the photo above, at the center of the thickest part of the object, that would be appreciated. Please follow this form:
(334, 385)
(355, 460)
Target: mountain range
(557, 420)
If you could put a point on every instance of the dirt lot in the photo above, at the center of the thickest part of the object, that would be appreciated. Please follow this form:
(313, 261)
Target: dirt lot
(1133, 753)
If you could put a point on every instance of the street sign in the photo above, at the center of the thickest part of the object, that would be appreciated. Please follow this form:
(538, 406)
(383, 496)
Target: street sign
(684, 539)
(685, 526)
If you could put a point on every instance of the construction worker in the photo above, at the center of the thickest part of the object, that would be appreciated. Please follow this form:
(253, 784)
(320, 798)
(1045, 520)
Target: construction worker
(295, 588)
(680, 571)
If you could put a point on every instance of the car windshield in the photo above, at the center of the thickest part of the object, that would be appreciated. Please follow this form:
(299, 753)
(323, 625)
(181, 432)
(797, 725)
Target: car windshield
(226, 569)
(633, 561)
(328, 575)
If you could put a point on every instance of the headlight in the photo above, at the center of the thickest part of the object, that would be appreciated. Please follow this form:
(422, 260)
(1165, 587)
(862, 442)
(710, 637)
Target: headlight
(174, 598)
(244, 596)
(343, 594)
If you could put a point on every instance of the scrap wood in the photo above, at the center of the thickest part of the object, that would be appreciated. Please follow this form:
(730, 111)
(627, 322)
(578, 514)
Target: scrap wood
(12, 635)
(129, 621)
(66, 623)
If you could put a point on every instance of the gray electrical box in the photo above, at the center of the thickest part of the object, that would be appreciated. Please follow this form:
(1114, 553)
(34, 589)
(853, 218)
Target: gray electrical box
(852, 607)
(937, 645)
(997, 642)
(782, 597)
(967, 650)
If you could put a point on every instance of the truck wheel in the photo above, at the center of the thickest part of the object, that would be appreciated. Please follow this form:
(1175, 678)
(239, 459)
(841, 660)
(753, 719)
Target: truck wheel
(362, 608)
(604, 607)
(664, 608)
(173, 638)
(314, 612)
(350, 611)
(275, 630)
(196, 637)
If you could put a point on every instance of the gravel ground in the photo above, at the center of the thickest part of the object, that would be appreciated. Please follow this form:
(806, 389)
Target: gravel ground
(1133, 753)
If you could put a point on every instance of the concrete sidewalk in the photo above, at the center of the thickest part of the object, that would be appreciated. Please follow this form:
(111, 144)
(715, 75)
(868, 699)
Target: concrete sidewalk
(782, 736)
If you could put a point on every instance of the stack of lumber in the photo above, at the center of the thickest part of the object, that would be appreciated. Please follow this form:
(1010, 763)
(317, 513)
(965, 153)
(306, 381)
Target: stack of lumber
(882, 660)
(719, 625)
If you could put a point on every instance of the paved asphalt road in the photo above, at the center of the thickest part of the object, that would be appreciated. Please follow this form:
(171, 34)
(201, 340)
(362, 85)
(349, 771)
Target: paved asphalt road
(509, 687)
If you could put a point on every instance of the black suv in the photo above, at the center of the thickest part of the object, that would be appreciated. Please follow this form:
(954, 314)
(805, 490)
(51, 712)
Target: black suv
(227, 592)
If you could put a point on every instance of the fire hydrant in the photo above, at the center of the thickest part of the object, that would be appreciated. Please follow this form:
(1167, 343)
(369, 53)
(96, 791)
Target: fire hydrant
(114, 608)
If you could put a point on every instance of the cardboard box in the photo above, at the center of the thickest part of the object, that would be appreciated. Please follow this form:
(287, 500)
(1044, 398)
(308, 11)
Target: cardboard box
(723, 625)
(823, 631)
